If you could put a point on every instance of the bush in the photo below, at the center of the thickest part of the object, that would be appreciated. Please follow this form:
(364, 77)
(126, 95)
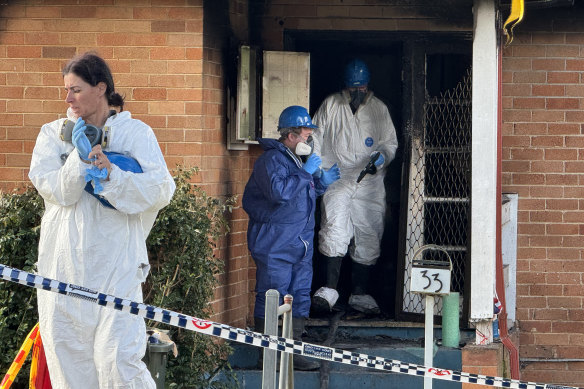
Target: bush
(20, 220)
(183, 276)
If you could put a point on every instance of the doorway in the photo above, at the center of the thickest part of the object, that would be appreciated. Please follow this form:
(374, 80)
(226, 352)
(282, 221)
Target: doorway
(408, 70)
(329, 53)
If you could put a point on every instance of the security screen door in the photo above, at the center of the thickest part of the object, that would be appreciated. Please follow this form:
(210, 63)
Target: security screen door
(436, 207)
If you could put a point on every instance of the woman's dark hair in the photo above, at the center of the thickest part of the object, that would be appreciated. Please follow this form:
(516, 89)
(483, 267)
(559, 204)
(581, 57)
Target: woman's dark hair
(93, 70)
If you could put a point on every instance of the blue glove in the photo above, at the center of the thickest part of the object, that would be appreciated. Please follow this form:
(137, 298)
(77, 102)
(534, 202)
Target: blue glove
(380, 160)
(331, 175)
(312, 163)
(80, 140)
(95, 175)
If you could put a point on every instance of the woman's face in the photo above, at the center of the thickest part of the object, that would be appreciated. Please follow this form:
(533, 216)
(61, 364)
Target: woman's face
(83, 99)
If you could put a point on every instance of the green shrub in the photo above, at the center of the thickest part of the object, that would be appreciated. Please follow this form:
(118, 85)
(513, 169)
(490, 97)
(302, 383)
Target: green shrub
(183, 276)
(20, 220)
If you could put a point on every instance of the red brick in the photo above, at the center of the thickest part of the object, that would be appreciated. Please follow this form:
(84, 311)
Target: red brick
(562, 204)
(168, 26)
(574, 167)
(562, 51)
(574, 141)
(536, 325)
(562, 103)
(530, 77)
(517, 90)
(170, 53)
(515, 166)
(574, 217)
(562, 229)
(517, 64)
(530, 128)
(563, 129)
(575, 64)
(548, 116)
(149, 94)
(529, 102)
(565, 302)
(554, 314)
(561, 154)
(549, 141)
(545, 216)
(548, 90)
(78, 12)
(575, 90)
(549, 64)
(527, 154)
(516, 115)
(563, 77)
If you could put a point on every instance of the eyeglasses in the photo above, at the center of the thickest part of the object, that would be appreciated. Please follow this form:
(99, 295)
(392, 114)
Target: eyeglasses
(308, 139)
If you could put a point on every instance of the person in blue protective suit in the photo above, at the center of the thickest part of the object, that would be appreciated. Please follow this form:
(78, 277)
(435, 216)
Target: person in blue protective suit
(96, 243)
(353, 126)
(280, 199)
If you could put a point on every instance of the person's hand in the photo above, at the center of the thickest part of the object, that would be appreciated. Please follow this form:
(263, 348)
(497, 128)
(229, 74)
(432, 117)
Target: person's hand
(380, 160)
(331, 175)
(80, 140)
(95, 175)
(312, 163)
(100, 159)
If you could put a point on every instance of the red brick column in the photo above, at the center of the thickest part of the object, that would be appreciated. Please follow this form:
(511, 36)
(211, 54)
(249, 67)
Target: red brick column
(487, 360)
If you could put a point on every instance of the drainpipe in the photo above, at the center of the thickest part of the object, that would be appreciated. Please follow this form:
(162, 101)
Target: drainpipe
(500, 281)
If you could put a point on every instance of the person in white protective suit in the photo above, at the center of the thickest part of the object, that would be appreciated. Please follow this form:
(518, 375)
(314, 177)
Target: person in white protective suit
(85, 243)
(352, 126)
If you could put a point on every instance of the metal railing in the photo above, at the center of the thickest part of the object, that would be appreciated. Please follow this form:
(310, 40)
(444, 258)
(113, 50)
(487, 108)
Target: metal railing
(272, 312)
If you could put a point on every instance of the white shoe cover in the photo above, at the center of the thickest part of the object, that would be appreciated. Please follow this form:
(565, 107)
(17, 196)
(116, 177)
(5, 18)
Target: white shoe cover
(330, 295)
(364, 303)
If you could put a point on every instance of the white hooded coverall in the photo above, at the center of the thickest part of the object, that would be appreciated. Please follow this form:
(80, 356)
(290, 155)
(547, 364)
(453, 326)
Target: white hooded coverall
(350, 209)
(84, 243)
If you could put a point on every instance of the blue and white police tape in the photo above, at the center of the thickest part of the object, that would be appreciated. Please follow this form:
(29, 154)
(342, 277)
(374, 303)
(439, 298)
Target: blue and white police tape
(256, 339)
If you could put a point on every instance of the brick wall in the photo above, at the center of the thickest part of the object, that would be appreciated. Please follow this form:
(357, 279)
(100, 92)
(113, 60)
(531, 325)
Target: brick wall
(543, 161)
(227, 170)
(169, 69)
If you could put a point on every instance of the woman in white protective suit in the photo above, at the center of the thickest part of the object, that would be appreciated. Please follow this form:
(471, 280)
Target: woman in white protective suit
(352, 126)
(85, 243)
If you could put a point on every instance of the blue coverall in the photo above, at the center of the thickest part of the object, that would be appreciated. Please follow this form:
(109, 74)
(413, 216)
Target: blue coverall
(280, 198)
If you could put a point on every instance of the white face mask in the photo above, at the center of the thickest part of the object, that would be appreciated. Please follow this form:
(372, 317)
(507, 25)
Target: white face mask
(302, 149)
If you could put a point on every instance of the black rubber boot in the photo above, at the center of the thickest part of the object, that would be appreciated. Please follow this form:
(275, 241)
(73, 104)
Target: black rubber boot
(320, 305)
(258, 324)
(360, 275)
(333, 271)
(360, 299)
(302, 362)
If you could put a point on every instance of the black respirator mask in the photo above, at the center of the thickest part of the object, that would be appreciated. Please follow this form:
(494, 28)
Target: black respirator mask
(357, 97)
(95, 135)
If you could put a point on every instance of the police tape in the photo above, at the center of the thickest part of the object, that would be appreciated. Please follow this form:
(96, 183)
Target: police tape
(260, 340)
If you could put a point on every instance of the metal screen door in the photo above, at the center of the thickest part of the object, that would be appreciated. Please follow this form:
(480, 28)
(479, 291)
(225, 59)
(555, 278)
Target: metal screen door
(439, 187)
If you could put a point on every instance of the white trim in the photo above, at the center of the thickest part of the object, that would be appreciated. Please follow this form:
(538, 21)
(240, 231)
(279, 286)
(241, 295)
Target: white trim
(484, 160)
